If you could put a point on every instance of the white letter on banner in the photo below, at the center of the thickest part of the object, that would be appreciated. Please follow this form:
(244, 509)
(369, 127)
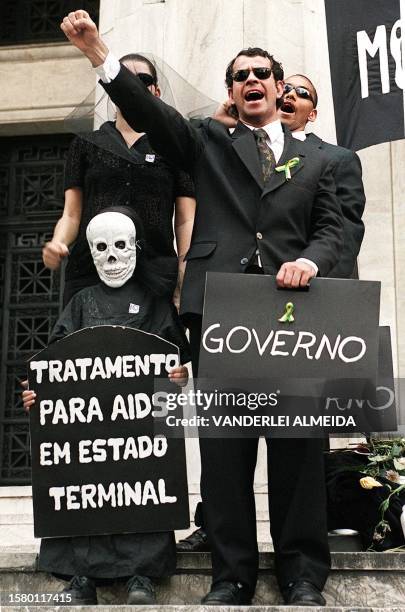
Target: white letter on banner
(398, 53)
(44, 453)
(60, 453)
(38, 366)
(379, 44)
(219, 341)
(57, 493)
(356, 357)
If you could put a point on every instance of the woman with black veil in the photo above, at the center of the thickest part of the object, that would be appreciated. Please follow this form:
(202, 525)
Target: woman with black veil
(117, 164)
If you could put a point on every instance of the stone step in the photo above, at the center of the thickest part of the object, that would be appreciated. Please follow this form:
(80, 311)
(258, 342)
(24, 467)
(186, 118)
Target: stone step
(357, 581)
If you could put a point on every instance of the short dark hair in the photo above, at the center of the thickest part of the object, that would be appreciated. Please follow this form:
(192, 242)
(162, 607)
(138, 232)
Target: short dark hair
(312, 86)
(137, 57)
(276, 67)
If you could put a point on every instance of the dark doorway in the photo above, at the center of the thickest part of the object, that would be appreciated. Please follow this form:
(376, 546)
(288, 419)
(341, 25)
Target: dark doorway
(31, 200)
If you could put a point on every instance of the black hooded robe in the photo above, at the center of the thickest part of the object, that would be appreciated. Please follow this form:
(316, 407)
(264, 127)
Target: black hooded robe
(117, 555)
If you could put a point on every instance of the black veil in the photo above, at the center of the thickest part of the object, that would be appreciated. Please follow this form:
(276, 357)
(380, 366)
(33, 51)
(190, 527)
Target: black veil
(97, 109)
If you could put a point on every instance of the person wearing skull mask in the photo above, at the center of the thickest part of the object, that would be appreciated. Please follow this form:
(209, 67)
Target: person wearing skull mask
(116, 163)
(131, 293)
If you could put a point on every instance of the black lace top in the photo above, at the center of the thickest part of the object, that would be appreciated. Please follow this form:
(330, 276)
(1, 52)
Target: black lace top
(109, 173)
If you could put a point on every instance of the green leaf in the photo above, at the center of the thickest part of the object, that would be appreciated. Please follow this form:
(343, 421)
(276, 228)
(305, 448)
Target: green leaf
(378, 458)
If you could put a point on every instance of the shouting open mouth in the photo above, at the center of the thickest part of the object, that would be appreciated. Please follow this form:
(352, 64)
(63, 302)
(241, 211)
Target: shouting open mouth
(287, 107)
(254, 95)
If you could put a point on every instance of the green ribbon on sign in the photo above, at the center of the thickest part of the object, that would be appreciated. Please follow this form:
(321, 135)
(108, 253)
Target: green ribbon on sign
(288, 315)
(286, 167)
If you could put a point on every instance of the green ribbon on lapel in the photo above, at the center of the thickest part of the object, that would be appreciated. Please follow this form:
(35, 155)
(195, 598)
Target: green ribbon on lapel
(286, 167)
(288, 315)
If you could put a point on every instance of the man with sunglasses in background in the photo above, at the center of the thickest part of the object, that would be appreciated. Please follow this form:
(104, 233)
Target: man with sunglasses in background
(297, 110)
(250, 218)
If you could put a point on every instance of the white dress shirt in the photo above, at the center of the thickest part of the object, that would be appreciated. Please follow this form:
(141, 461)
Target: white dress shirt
(275, 137)
(299, 135)
(110, 69)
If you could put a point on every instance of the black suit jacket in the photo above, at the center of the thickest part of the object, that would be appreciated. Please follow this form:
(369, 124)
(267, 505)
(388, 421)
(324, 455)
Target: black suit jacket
(350, 194)
(236, 214)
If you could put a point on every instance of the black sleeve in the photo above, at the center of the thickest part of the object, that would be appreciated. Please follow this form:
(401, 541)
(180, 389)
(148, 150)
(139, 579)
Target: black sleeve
(350, 194)
(75, 164)
(69, 321)
(173, 331)
(184, 185)
(326, 241)
(168, 132)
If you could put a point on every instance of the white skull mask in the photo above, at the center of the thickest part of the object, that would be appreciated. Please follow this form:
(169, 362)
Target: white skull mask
(111, 237)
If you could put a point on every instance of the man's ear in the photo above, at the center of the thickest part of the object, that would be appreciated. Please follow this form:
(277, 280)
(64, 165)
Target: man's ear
(157, 91)
(280, 89)
(312, 115)
(230, 95)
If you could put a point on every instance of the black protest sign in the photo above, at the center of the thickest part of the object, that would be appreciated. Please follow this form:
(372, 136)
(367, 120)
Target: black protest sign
(98, 466)
(367, 70)
(334, 332)
(379, 412)
(382, 413)
(296, 346)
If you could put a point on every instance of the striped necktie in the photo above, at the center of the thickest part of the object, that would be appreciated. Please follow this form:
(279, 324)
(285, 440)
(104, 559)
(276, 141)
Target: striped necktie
(266, 155)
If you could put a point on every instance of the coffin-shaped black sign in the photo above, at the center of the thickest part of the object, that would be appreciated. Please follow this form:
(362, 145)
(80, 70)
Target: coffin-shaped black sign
(98, 466)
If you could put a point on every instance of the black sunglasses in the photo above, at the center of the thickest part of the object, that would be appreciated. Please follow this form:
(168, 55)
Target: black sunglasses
(260, 73)
(302, 92)
(146, 78)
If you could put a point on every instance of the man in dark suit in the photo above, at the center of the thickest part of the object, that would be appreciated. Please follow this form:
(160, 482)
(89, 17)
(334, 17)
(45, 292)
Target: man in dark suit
(249, 219)
(298, 109)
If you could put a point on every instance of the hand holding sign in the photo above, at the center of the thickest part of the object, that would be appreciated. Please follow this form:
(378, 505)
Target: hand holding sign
(294, 274)
(28, 396)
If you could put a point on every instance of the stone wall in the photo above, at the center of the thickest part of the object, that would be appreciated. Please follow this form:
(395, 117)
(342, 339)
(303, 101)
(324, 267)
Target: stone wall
(41, 85)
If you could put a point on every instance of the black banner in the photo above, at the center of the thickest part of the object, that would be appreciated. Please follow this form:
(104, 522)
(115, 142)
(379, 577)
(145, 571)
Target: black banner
(98, 465)
(367, 70)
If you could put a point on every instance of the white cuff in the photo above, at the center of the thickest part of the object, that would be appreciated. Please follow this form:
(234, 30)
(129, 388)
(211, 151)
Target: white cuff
(310, 263)
(109, 70)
